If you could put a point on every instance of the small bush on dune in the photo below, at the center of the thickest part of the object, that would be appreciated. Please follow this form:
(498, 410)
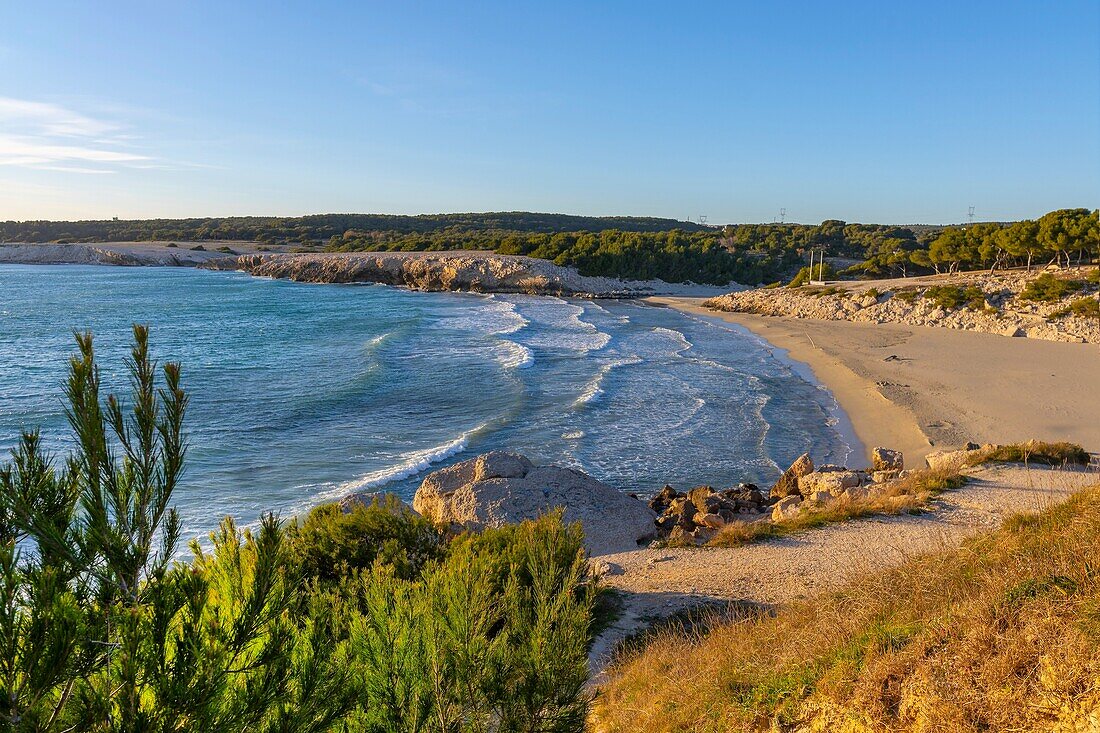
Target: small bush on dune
(950, 297)
(1047, 288)
(1036, 451)
(907, 296)
(1082, 308)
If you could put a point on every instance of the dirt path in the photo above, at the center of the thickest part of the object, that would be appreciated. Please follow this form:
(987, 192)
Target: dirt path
(658, 582)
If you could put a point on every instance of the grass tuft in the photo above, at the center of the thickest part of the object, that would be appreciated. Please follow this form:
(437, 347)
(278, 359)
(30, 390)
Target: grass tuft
(1036, 451)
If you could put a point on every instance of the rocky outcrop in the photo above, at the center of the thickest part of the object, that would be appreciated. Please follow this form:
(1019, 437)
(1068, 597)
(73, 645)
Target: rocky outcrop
(951, 460)
(498, 488)
(692, 517)
(1000, 311)
(479, 272)
(695, 517)
(787, 484)
(884, 459)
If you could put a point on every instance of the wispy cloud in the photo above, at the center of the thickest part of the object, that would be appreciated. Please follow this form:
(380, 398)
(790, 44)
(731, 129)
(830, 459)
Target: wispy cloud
(50, 137)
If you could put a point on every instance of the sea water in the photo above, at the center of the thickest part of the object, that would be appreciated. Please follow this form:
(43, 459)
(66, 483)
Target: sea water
(305, 393)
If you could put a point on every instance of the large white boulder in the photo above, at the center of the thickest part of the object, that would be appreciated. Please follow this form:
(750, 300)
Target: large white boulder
(499, 488)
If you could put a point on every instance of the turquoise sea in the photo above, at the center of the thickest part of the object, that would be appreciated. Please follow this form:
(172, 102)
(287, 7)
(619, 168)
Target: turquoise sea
(304, 393)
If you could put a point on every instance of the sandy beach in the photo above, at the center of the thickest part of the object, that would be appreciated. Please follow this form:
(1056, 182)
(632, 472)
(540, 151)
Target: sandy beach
(919, 389)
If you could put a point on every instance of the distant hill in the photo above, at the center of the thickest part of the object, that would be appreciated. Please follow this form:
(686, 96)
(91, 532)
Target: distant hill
(321, 227)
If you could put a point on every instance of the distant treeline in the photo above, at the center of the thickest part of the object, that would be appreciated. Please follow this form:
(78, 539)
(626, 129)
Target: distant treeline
(319, 227)
(635, 247)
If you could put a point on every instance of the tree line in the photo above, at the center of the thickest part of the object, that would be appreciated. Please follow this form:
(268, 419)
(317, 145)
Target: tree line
(637, 248)
(318, 228)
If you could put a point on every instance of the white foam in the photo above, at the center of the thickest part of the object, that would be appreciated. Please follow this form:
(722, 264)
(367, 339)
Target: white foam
(374, 342)
(492, 316)
(677, 336)
(514, 356)
(410, 464)
(594, 389)
(573, 435)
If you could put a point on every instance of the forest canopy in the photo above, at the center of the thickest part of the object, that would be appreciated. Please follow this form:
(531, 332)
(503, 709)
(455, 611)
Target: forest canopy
(634, 247)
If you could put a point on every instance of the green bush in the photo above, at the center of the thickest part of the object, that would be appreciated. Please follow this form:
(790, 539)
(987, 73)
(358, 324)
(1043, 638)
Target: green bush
(950, 297)
(1093, 277)
(331, 543)
(1047, 289)
(494, 637)
(820, 272)
(907, 296)
(1088, 307)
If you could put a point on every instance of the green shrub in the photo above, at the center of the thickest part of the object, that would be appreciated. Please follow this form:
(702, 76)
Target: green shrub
(103, 631)
(1047, 289)
(226, 250)
(950, 297)
(172, 245)
(494, 637)
(1083, 307)
(1093, 277)
(198, 248)
(906, 296)
(331, 543)
(1037, 451)
(821, 272)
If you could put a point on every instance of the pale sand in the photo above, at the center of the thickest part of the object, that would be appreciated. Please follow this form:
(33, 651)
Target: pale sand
(945, 387)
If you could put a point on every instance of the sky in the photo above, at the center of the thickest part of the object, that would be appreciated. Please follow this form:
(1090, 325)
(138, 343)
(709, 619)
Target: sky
(884, 112)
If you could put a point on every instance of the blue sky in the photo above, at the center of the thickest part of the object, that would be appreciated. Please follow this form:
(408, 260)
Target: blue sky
(863, 111)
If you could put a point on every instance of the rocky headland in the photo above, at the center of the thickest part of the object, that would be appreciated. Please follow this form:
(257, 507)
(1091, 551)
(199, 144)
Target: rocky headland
(997, 303)
(478, 272)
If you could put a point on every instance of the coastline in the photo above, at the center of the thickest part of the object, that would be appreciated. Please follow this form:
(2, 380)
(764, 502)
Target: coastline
(474, 271)
(919, 389)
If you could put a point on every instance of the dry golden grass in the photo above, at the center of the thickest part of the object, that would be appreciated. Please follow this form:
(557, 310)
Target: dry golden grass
(905, 496)
(1037, 452)
(1002, 633)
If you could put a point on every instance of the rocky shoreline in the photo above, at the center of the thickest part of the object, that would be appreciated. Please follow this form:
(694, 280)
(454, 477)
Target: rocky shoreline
(461, 271)
(994, 304)
(499, 487)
